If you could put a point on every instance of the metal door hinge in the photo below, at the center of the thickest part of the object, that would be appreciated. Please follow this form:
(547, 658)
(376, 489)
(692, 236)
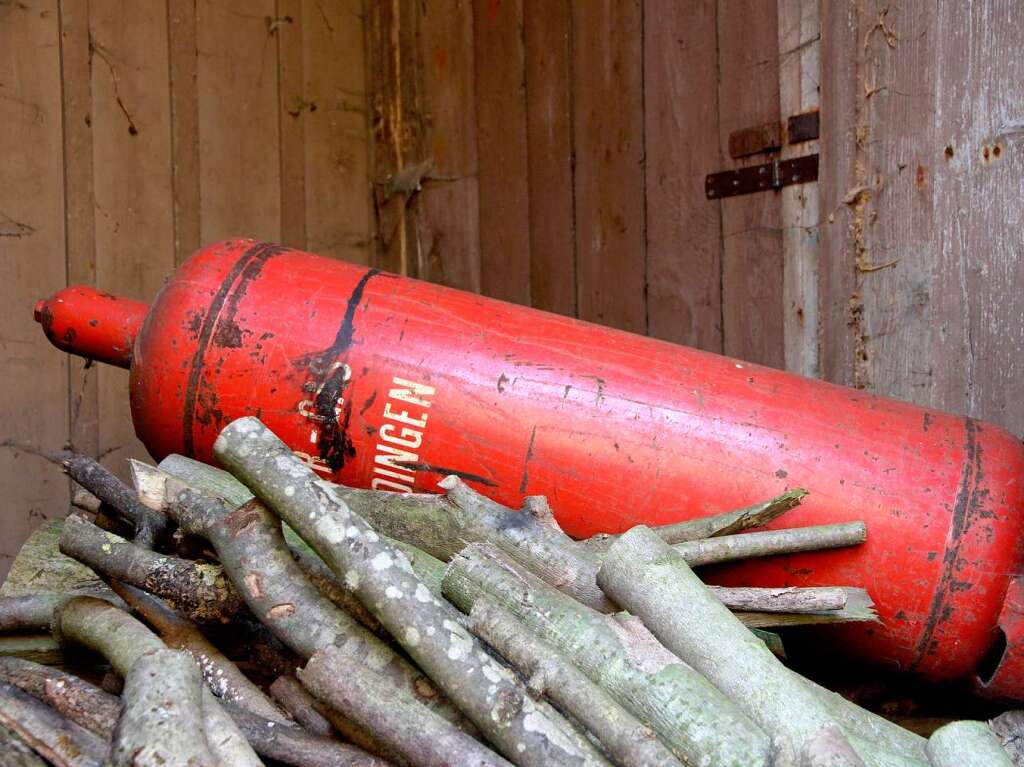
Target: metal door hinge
(759, 178)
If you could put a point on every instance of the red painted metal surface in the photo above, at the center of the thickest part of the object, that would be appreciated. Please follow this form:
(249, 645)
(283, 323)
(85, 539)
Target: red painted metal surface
(390, 382)
(93, 324)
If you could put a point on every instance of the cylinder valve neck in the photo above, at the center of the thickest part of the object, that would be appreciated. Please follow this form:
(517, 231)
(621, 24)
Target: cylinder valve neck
(84, 321)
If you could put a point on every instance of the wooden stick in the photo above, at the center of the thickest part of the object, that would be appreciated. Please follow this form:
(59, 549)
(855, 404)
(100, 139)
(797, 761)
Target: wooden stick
(252, 549)
(149, 525)
(161, 722)
(829, 748)
(781, 600)
(121, 639)
(28, 613)
(859, 608)
(60, 742)
(966, 743)
(417, 734)
(551, 673)
(727, 523)
(223, 677)
(653, 581)
(73, 698)
(200, 591)
(297, 747)
(296, 700)
(692, 718)
(429, 629)
(1009, 728)
(728, 548)
(16, 752)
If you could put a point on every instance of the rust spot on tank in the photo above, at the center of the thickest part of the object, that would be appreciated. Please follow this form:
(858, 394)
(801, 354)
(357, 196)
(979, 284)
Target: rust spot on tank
(921, 178)
(369, 402)
(93, 323)
(782, 474)
(502, 380)
(228, 335)
(949, 152)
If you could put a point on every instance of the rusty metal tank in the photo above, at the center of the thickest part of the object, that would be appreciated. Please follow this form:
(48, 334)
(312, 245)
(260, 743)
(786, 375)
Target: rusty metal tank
(387, 382)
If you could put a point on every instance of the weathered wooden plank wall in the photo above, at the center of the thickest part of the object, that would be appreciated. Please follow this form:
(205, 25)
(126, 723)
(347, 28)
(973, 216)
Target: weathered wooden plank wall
(584, 132)
(923, 172)
(131, 133)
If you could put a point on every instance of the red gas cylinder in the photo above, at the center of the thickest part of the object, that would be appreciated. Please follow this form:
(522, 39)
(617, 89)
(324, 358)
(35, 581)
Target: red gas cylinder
(393, 383)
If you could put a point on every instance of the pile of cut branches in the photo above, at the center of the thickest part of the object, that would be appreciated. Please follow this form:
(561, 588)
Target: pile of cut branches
(382, 628)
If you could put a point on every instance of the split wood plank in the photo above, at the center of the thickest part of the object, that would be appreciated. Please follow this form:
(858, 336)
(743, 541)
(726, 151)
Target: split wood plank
(131, 140)
(289, 31)
(80, 233)
(499, 63)
(684, 234)
(799, 75)
(752, 264)
(609, 180)
(448, 226)
(32, 230)
(548, 62)
(239, 167)
(183, 66)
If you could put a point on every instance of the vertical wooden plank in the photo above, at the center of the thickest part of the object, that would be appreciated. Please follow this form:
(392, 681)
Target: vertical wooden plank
(32, 237)
(292, 111)
(448, 233)
(501, 143)
(337, 191)
(135, 243)
(799, 75)
(895, 216)
(548, 52)
(752, 265)
(841, 165)
(183, 56)
(684, 234)
(609, 184)
(396, 130)
(80, 250)
(239, 166)
(977, 162)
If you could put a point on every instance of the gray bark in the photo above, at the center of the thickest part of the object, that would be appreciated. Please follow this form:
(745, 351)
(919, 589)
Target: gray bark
(223, 677)
(121, 639)
(15, 752)
(418, 735)
(71, 697)
(149, 525)
(60, 742)
(429, 629)
(28, 613)
(966, 743)
(297, 701)
(252, 549)
(858, 608)
(200, 591)
(650, 579)
(771, 542)
(161, 722)
(727, 523)
(781, 600)
(297, 747)
(628, 742)
(829, 748)
(1009, 728)
(697, 722)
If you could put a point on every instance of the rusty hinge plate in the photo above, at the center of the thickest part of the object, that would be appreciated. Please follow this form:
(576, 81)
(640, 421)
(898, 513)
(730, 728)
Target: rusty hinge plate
(802, 127)
(760, 138)
(760, 178)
